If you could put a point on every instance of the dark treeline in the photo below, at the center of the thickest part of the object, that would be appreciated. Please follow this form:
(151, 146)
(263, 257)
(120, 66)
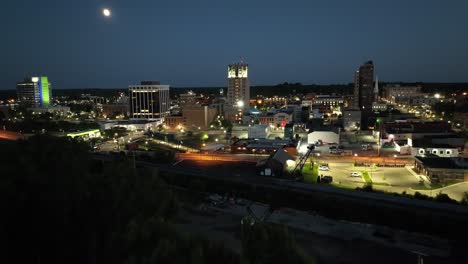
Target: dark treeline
(286, 89)
(60, 206)
(283, 89)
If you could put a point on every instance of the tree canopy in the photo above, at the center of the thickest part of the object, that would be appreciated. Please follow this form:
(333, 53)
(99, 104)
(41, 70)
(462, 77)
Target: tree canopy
(59, 205)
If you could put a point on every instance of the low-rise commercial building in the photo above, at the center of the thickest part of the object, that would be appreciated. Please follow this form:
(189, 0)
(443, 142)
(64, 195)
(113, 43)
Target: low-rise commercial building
(326, 137)
(50, 109)
(112, 110)
(259, 131)
(132, 125)
(277, 165)
(175, 122)
(199, 116)
(351, 120)
(401, 131)
(379, 107)
(88, 134)
(391, 92)
(442, 170)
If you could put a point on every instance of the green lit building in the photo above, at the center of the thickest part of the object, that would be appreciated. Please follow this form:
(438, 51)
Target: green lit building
(34, 91)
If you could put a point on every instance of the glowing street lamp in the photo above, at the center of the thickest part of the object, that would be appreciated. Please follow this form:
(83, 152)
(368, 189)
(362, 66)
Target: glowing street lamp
(240, 104)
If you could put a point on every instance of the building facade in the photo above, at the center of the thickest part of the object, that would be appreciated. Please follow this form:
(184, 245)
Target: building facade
(442, 169)
(199, 116)
(238, 94)
(149, 100)
(364, 87)
(391, 92)
(351, 119)
(34, 91)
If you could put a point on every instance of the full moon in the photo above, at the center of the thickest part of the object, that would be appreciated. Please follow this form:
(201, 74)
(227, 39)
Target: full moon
(106, 12)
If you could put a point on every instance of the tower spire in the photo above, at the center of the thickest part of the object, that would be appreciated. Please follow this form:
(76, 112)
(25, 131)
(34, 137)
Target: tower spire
(376, 89)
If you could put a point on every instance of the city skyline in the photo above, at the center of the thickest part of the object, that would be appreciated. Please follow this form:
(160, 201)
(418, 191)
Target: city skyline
(190, 47)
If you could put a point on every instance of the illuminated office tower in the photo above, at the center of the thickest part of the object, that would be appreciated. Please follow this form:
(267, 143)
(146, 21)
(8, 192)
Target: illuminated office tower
(238, 91)
(34, 91)
(149, 100)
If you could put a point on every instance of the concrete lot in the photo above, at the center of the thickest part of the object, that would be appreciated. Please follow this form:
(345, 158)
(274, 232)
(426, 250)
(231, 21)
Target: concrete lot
(386, 179)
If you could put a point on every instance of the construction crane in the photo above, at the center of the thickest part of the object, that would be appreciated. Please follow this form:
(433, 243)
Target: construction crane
(297, 171)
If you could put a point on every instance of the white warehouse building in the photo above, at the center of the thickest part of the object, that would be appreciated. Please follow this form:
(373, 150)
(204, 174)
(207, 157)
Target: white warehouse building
(327, 137)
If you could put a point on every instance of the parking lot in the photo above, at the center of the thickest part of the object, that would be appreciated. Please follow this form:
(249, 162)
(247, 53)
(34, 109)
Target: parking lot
(383, 178)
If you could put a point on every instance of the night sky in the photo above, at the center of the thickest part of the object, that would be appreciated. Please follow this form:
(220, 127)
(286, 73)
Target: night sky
(189, 43)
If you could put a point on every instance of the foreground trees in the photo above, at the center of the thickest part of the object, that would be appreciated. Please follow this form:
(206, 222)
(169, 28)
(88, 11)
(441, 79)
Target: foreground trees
(60, 206)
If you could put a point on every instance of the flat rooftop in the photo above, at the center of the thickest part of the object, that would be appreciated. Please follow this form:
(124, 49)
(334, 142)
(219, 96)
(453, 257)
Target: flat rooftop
(443, 163)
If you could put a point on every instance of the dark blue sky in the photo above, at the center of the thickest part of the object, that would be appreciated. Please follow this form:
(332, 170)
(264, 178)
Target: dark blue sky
(189, 43)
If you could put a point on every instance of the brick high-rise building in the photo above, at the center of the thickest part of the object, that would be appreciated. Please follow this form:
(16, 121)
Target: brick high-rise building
(363, 87)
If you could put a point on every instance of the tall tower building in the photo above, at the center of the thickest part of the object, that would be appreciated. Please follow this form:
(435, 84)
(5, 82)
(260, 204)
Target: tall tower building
(34, 91)
(356, 91)
(149, 100)
(376, 89)
(238, 90)
(363, 87)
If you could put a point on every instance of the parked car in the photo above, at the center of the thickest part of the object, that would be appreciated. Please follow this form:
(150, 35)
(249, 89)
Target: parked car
(356, 174)
(366, 147)
(323, 168)
(327, 179)
(336, 151)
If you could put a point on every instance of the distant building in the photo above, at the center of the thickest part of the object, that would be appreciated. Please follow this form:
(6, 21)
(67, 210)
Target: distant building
(34, 92)
(259, 131)
(328, 100)
(376, 90)
(351, 119)
(88, 134)
(266, 119)
(442, 170)
(131, 125)
(391, 92)
(280, 164)
(326, 137)
(112, 110)
(402, 131)
(238, 94)
(379, 107)
(52, 109)
(199, 116)
(187, 99)
(281, 119)
(238, 90)
(363, 87)
(149, 100)
(175, 121)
